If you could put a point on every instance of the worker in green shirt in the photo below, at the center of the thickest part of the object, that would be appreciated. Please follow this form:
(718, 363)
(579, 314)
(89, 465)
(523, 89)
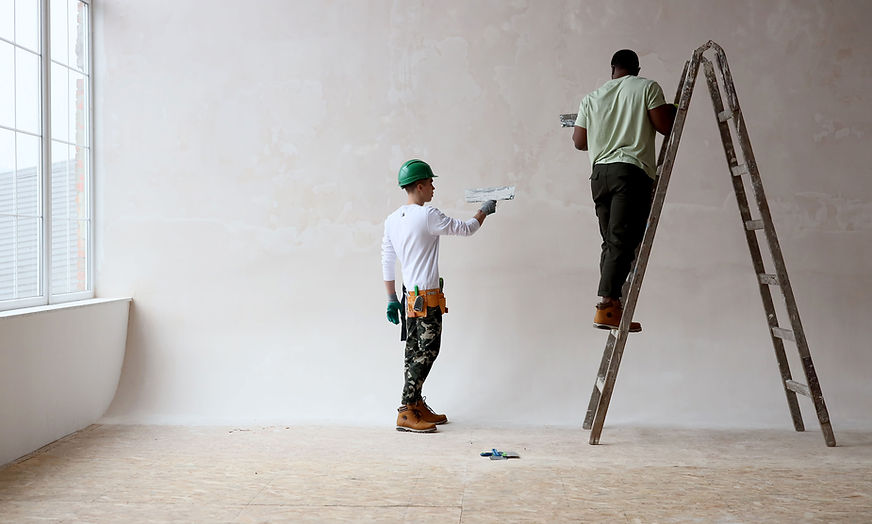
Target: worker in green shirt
(616, 125)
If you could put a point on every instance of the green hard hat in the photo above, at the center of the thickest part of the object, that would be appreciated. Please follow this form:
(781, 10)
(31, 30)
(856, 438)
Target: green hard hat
(414, 170)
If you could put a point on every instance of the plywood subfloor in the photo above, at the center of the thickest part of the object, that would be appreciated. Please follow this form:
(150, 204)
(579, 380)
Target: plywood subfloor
(352, 474)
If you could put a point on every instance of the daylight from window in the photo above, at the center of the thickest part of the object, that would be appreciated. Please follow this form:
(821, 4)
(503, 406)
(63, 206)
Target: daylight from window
(44, 256)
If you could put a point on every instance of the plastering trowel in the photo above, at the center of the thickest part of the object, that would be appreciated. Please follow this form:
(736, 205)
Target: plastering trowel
(568, 119)
(490, 193)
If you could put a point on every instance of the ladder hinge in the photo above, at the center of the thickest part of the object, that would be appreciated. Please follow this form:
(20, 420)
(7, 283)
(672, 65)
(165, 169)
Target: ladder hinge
(784, 334)
(725, 115)
(741, 169)
(767, 278)
(752, 225)
(798, 387)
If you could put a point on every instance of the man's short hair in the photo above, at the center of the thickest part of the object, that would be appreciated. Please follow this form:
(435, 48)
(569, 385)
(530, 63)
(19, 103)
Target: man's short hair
(627, 60)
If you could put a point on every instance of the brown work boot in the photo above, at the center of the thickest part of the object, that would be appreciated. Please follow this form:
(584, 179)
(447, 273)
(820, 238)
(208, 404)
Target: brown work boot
(409, 419)
(608, 316)
(427, 414)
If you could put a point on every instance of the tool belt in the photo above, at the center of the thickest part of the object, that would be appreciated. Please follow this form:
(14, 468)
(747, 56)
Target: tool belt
(418, 302)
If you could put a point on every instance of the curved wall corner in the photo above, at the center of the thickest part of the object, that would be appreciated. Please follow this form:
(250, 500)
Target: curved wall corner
(59, 369)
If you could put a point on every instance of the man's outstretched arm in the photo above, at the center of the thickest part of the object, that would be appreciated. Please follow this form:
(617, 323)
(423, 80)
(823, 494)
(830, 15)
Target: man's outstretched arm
(438, 223)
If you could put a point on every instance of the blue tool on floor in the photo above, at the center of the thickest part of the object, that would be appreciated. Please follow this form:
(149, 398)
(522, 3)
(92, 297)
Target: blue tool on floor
(495, 454)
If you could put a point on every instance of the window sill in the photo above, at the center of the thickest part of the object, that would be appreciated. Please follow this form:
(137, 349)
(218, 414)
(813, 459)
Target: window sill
(54, 307)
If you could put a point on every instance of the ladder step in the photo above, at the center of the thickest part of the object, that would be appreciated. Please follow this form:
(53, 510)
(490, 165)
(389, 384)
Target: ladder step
(784, 334)
(753, 225)
(739, 170)
(798, 387)
(725, 115)
(600, 383)
(766, 278)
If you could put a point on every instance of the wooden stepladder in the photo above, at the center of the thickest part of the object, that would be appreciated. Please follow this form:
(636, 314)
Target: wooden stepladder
(742, 167)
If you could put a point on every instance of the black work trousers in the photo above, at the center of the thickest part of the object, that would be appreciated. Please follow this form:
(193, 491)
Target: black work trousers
(622, 197)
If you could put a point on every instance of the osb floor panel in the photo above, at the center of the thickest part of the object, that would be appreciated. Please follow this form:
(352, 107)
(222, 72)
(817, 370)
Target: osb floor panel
(338, 474)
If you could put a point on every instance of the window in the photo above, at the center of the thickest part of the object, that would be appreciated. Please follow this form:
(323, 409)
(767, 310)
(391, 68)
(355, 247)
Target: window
(45, 152)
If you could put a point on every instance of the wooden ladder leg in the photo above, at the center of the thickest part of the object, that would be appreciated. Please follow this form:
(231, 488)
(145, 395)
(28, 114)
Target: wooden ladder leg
(600, 380)
(751, 227)
(812, 389)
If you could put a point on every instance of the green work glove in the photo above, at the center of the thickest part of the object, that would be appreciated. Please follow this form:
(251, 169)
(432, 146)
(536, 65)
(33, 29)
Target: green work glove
(394, 308)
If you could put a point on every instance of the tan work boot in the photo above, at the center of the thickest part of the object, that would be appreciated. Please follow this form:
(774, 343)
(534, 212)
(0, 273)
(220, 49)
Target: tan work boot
(427, 414)
(409, 419)
(608, 316)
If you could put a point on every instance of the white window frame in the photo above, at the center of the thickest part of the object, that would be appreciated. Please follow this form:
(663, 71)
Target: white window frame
(46, 297)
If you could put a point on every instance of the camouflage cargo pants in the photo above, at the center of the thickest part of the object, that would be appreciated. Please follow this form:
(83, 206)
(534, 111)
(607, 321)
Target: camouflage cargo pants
(423, 339)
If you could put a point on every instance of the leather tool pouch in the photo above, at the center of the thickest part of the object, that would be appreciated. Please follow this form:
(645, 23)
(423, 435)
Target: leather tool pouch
(416, 305)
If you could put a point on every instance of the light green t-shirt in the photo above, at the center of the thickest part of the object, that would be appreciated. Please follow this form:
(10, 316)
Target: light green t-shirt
(617, 123)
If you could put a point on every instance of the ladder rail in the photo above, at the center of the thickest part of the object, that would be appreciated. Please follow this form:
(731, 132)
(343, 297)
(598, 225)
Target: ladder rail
(665, 144)
(775, 248)
(753, 246)
(597, 384)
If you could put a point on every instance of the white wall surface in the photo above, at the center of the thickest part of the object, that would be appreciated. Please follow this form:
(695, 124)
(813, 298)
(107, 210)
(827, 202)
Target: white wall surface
(247, 156)
(59, 369)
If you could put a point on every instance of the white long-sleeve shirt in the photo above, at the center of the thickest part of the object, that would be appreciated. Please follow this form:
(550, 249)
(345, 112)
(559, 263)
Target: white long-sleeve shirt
(412, 236)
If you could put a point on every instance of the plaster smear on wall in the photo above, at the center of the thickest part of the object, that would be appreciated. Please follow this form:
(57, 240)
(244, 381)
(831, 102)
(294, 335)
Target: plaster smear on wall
(246, 156)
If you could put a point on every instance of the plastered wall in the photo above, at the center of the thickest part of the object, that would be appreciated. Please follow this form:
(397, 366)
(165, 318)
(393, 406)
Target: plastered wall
(246, 157)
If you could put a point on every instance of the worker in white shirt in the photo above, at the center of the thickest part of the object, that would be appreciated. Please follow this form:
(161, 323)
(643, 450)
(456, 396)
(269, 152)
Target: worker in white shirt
(412, 236)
